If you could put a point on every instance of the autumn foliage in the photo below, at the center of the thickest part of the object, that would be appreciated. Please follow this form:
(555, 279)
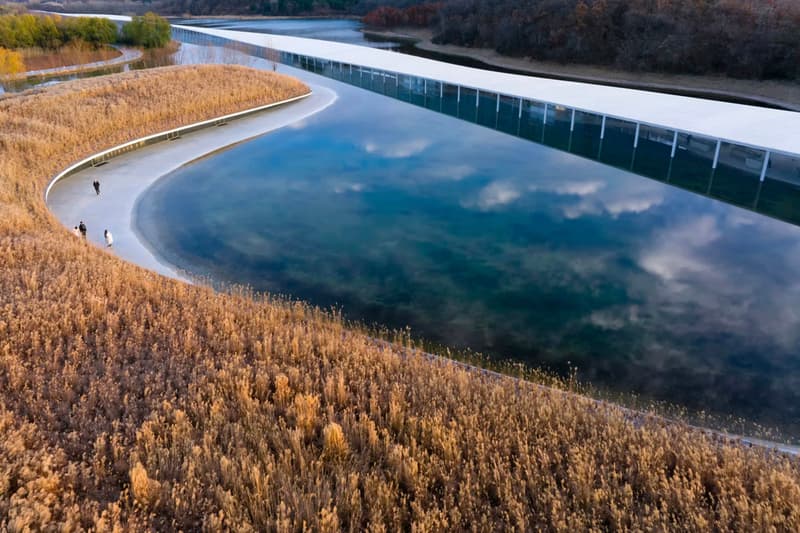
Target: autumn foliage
(417, 15)
(131, 400)
(740, 38)
(51, 32)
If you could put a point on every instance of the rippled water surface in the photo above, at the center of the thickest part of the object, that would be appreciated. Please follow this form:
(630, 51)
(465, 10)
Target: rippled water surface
(477, 239)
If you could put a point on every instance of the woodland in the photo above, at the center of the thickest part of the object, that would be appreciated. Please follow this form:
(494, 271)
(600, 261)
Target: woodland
(737, 38)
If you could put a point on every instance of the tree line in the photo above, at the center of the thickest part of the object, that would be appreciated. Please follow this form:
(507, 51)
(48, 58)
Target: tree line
(52, 32)
(422, 15)
(229, 7)
(740, 38)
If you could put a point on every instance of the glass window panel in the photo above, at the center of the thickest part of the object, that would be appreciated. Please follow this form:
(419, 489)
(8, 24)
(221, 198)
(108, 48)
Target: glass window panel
(617, 146)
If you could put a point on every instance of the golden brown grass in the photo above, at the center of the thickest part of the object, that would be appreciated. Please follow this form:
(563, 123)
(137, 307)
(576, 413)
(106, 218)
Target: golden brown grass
(131, 400)
(72, 54)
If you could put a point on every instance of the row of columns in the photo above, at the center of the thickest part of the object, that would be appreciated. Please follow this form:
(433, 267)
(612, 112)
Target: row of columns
(765, 165)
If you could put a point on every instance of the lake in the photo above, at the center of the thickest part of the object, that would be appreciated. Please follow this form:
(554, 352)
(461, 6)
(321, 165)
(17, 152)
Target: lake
(402, 216)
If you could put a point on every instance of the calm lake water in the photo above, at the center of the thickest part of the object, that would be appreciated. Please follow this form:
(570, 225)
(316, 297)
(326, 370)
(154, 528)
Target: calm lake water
(477, 239)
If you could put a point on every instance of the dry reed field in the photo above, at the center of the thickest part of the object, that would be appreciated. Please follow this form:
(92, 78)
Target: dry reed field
(75, 54)
(129, 401)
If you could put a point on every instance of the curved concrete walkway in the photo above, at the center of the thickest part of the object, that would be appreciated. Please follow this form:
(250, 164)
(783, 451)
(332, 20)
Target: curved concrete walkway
(124, 178)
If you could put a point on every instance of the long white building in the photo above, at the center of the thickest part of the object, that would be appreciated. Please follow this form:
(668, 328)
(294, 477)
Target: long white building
(775, 134)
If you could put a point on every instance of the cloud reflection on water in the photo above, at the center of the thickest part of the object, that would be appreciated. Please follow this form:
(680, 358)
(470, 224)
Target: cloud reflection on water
(479, 239)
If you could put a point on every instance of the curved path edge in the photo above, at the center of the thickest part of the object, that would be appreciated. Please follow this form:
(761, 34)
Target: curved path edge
(126, 171)
(73, 196)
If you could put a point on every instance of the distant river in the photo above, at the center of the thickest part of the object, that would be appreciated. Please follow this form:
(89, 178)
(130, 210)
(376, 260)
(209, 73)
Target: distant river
(339, 30)
(476, 239)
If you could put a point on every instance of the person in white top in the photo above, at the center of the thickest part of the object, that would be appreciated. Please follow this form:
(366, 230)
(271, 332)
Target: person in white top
(76, 231)
(109, 238)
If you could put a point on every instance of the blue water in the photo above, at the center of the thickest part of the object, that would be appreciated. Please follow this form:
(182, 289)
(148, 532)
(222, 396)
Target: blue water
(477, 239)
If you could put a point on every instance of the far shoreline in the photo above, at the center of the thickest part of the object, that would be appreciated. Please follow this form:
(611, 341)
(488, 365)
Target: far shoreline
(127, 55)
(775, 94)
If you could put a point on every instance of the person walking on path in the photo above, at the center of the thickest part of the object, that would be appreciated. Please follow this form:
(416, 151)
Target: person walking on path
(76, 231)
(109, 238)
(82, 229)
(96, 185)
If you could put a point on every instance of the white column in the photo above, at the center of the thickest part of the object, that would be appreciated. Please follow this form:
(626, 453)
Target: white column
(425, 87)
(716, 155)
(544, 117)
(572, 121)
(636, 137)
(765, 166)
(458, 96)
(477, 97)
(674, 144)
(603, 128)
(441, 90)
(498, 103)
(520, 108)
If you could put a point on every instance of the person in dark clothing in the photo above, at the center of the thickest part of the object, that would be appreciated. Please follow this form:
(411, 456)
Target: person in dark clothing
(96, 185)
(82, 229)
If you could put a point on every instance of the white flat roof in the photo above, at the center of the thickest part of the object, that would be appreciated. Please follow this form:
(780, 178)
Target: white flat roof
(743, 124)
(759, 127)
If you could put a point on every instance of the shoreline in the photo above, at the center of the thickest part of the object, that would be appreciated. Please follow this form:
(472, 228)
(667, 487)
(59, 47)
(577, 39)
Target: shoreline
(125, 178)
(129, 55)
(680, 84)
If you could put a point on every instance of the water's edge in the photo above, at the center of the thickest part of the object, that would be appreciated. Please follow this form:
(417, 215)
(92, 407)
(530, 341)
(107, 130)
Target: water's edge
(222, 143)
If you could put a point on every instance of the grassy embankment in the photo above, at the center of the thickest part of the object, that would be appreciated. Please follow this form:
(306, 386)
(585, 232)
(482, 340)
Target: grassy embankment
(40, 59)
(127, 398)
